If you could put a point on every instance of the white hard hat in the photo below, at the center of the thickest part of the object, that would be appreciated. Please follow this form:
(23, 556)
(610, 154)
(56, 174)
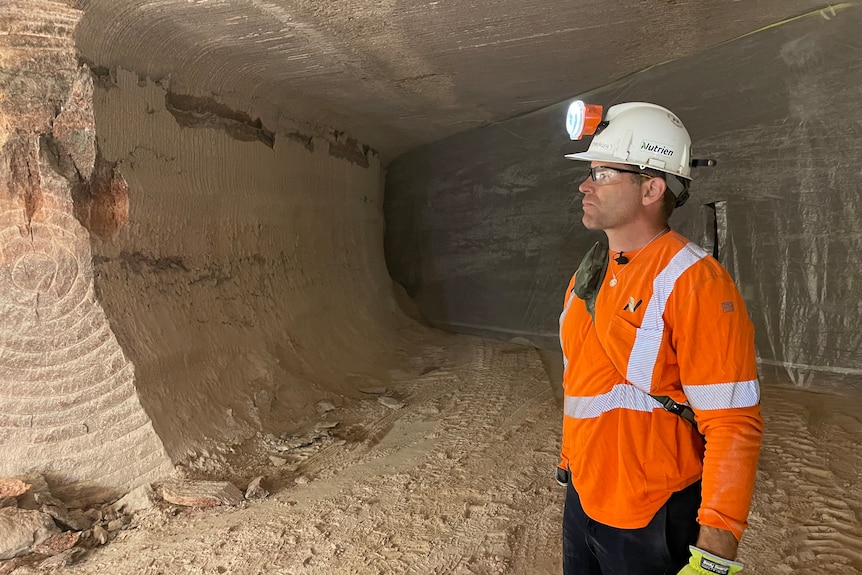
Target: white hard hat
(644, 135)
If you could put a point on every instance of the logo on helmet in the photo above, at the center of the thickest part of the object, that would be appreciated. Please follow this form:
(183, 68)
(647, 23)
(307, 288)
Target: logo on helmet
(603, 145)
(656, 148)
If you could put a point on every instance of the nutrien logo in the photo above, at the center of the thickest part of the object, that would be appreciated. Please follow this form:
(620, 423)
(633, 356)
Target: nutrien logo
(656, 148)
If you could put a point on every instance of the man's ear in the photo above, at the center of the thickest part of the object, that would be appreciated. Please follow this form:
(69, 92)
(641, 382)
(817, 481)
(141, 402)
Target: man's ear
(653, 190)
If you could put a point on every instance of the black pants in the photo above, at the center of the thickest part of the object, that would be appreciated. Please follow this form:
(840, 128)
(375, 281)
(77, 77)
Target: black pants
(660, 548)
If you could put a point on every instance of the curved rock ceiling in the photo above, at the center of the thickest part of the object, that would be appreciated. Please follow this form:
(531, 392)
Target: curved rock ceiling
(396, 74)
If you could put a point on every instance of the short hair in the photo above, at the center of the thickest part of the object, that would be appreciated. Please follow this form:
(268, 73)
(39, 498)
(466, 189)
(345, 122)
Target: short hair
(668, 200)
(668, 204)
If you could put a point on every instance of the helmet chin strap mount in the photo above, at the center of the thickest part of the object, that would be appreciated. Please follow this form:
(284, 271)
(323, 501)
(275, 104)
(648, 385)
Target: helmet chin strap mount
(678, 187)
(682, 195)
(702, 163)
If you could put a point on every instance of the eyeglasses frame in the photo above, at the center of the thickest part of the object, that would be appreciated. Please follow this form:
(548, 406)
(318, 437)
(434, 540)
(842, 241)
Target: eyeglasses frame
(621, 171)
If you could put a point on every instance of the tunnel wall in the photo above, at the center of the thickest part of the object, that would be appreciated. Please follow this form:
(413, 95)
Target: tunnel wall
(249, 282)
(484, 227)
(69, 409)
(177, 277)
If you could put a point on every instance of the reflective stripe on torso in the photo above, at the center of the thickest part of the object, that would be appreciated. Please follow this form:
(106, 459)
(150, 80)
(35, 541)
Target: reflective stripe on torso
(621, 396)
(644, 355)
(642, 362)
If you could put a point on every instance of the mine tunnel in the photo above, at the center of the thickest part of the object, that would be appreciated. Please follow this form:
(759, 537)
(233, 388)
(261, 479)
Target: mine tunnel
(224, 220)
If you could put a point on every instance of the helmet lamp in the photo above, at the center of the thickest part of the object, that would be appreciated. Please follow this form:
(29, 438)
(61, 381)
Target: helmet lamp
(582, 119)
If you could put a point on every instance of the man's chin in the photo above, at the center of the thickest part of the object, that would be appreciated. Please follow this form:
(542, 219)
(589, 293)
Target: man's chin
(589, 223)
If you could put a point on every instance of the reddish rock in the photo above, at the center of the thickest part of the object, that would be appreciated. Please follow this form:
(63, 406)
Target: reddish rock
(57, 543)
(11, 487)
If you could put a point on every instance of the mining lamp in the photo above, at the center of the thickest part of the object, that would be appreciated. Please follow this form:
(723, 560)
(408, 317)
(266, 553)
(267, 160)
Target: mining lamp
(582, 119)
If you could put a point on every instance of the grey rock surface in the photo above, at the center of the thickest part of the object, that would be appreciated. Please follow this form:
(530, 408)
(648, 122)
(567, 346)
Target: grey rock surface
(23, 529)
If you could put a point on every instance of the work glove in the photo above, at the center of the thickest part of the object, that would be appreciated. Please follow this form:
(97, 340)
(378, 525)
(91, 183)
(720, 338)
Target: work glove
(703, 563)
(562, 476)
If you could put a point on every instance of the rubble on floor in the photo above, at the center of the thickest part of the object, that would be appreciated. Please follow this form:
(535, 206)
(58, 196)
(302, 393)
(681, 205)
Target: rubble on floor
(38, 529)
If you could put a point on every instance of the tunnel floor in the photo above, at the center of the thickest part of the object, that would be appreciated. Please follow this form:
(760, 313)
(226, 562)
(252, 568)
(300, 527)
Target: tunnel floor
(459, 480)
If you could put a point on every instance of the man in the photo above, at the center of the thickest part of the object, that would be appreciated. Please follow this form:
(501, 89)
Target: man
(662, 426)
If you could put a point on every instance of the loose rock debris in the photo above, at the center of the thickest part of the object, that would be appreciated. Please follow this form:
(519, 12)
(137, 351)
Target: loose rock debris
(58, 543)
(191, 493)
(35, 525)
(323, 407)
(138, 499)
(38, 529)
(11, 487)
(21, 530)
(254, 489)
(390, 402)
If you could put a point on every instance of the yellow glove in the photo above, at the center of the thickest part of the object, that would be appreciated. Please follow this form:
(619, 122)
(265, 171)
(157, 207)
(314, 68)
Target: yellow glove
(703, 563)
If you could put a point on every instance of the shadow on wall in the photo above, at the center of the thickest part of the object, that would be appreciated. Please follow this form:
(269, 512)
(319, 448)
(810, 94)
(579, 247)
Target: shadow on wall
(483, 228)
(249, 283)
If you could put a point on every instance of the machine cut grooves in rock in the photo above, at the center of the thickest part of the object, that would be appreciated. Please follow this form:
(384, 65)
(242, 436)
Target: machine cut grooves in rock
(303, 263)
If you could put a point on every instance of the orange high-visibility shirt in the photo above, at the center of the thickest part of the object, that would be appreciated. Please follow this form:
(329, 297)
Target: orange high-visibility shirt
(675, 324)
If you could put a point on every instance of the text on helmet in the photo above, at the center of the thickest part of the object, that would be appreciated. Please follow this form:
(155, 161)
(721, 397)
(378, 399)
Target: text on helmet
(656, 148)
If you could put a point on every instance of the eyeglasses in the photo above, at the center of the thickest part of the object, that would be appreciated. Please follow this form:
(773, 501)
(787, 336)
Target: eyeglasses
(603, 175)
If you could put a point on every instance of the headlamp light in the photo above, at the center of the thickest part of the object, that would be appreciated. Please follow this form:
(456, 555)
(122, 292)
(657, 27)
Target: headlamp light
(582, 119)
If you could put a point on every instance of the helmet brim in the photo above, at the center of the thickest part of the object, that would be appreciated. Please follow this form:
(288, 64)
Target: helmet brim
(589, 156)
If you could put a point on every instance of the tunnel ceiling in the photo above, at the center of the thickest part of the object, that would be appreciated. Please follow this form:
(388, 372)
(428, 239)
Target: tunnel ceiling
(396, 74)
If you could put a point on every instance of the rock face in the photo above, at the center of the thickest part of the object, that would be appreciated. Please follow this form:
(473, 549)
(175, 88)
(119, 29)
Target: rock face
(23, 529)
(200, 303)
(67, 391)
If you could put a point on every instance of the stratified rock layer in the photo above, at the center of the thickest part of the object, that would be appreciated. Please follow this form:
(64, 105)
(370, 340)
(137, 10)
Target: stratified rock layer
(67, 390)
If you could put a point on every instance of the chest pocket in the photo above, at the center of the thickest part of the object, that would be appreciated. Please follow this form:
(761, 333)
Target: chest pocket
(635, 351)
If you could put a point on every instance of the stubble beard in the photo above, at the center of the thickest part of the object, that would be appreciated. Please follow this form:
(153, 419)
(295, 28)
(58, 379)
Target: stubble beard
(588, 223)
(592, 221)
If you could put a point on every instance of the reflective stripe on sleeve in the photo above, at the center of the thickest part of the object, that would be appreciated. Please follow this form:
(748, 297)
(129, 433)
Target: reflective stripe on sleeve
(723, 395)
(649, 336)
(622, 396)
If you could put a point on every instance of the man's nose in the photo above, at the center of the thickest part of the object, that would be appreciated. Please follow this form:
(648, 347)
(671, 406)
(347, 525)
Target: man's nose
(586, 185)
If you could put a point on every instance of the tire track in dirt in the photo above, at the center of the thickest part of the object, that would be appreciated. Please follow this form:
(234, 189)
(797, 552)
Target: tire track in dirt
(458, 482)
(808, 501)
(445, 512)
(492, 418)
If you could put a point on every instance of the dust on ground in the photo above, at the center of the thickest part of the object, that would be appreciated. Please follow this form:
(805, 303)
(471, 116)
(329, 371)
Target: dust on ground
(459, 480)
